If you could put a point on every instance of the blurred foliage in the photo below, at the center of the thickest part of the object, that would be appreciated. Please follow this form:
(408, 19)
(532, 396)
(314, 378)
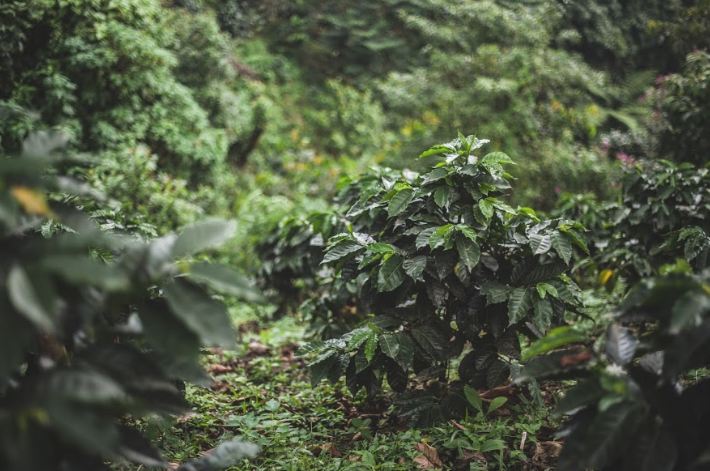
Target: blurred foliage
(97, 328)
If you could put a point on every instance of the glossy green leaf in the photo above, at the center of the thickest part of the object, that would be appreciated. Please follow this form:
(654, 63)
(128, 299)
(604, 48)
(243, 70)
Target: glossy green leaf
(543, 313)
(469, 251)
(415, 266)
(486, 207)
(371, 346)
(562, 245)
(341, 250)
(540, 244)
(442, 196)
(400, 202)
(391, 274)
(519, 304)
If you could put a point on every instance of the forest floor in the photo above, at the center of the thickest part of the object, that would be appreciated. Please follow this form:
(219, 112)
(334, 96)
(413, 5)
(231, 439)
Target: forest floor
(262, 394)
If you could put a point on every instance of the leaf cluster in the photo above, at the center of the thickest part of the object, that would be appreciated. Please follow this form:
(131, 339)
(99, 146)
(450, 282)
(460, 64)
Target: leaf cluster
(633, 406)
(96, 328)
(444, 262)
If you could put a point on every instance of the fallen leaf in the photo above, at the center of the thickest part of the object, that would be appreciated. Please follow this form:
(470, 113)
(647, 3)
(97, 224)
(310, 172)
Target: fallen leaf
(505, 391)
(430, 457)
(257, 348)
(458, 425)
(219, 369)
(329, 449)
(546, 453)
(575, 359)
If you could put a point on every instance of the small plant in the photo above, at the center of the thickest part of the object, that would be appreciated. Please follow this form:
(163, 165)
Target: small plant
(634, 405)
(442, 262)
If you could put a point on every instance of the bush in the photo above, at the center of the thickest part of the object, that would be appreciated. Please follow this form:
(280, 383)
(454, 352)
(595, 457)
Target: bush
(637, 403)
(442, 261)
(96, 328)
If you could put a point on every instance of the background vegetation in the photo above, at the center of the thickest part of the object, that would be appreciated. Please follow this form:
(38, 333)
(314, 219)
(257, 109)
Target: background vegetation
(451, 307)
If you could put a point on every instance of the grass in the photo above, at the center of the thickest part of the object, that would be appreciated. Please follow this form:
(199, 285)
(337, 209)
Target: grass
(262, 394)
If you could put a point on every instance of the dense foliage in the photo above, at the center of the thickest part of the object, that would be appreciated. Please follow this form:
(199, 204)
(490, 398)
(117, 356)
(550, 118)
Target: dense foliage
(637, 404)
(440, 261)
(427, 287)
(97, 328)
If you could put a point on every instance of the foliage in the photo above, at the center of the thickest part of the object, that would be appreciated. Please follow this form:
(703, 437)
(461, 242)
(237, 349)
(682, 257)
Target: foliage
(632, 407)
(442, 261)
(291, 266)
(619, 35)
(662, 215)
(96, 328)
(126, 75)
(681, 101)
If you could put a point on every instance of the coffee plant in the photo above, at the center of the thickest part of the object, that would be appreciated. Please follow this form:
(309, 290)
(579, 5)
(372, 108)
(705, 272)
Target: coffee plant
(443, 262)
(96, 328)
(662, 215)
(291, 270)
(638, 403)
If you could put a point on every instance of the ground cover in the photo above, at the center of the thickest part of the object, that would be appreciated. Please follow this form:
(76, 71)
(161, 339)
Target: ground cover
(262, 394)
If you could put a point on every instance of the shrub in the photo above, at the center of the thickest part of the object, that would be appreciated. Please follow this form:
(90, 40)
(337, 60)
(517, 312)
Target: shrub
(637, 403)
(443, 262)
(95, 328)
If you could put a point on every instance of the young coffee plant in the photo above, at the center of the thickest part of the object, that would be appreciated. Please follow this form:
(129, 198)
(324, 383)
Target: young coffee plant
(291, 269)
(443, 263)
(638, 403)
(662, 215)
(86, 345)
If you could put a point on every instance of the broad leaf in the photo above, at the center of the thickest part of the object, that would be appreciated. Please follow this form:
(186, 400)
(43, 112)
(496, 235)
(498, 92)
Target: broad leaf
(202, 314)
(399, 202)
(206, 235)
(415, 266)
(391, 274)
(519, 304)
(540, 244)
(562, 246)
(469, 251)
(36, 302)
(341, 250)
(224, 280)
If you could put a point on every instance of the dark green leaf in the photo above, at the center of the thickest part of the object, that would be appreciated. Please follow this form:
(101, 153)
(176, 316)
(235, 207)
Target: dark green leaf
(399, 202)
(469, 251)
(199, 312)
(562, 246)
(391, 274)
(519, 305)
(543, 313)
(340, 250)
(540, 244)
(389, 344)
(415, 266)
